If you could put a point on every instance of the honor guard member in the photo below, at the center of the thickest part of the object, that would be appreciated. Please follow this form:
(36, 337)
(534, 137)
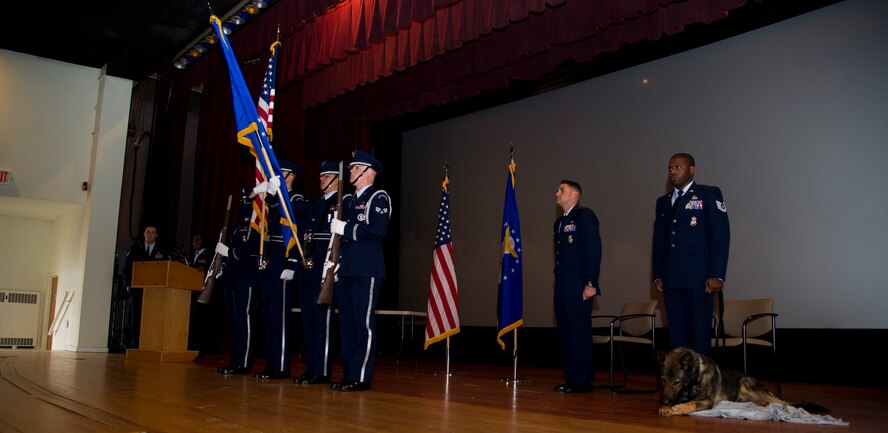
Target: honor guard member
(690, 254)
(241, 286)
(365, 221)
(577, 267)
(276, 278)
(316, 319)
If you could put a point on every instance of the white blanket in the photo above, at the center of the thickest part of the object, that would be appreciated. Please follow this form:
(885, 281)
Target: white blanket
(774, 411)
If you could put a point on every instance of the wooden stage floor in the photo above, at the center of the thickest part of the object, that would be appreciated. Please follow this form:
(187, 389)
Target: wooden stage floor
(44, 391)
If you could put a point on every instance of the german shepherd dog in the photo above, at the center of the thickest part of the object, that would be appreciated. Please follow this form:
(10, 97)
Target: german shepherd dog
(693, 382)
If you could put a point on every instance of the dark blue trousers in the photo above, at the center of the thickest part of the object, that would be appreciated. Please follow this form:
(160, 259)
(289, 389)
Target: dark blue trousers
(316, 324)
(689, 314)
(356, 298)
(573, 317)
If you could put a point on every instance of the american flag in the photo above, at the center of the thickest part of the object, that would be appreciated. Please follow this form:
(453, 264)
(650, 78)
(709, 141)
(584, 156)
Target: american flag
(443, 310)
(259, 218)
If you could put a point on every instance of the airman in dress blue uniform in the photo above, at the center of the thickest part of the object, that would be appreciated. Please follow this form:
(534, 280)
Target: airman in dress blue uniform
(690, 254)
(365, 221)
(316, 319)
(241, 288)
(276, 282)
(577, 267)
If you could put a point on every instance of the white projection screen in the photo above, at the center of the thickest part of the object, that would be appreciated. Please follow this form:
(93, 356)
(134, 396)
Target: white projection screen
(790, 120)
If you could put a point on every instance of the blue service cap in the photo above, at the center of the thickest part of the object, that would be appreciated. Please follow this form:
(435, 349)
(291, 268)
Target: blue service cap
(359, 157)
(329, 167)
(289, 166)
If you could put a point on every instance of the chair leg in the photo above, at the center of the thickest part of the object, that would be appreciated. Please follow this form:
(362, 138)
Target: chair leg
(611, 364)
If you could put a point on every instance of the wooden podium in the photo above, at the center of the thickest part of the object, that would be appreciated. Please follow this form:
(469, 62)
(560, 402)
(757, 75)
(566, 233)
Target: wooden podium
(166, 307)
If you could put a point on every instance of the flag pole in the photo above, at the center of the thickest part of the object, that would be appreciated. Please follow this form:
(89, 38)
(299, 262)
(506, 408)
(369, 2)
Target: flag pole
(447, 357)
(283, 207)
(262, 228)
(515, 357)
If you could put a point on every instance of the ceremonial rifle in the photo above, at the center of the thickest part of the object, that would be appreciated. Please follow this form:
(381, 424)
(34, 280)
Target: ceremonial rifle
(331, 262)
(216, 266)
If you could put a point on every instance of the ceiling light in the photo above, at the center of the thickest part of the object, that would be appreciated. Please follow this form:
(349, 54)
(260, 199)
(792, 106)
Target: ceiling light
(251, 9)
(260, 4)
(237, 20)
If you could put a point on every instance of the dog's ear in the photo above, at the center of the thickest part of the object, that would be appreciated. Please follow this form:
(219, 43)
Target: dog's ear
(661, 356)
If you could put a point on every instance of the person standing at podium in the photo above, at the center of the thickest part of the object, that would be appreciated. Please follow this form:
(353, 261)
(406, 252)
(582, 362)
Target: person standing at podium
(142, 251)
(198, 327)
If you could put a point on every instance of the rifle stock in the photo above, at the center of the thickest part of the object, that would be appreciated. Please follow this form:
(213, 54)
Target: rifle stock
(328, 278)
(210, 280)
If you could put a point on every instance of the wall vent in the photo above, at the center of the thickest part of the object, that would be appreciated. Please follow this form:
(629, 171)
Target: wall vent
(19, 319)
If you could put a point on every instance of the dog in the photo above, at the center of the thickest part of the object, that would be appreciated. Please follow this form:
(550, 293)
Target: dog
(693, 382)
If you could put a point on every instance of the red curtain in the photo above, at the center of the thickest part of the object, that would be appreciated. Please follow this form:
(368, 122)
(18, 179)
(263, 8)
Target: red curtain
(346, 63)
(422, 52)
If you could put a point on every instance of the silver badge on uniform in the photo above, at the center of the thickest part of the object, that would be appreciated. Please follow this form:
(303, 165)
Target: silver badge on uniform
(694, 221)
(360, 217)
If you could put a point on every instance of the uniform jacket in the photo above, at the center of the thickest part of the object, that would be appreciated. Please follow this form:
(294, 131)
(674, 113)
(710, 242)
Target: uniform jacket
(691, 244)
(317, 228)
(137, 254)
(367, 219)
(577, 253)
(200, 260)
(275, 249)
(243, 248)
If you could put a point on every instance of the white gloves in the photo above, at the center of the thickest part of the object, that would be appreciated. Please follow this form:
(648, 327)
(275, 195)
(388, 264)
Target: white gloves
(272, 186)
(287, 275)
(222, 249)
(337, 226)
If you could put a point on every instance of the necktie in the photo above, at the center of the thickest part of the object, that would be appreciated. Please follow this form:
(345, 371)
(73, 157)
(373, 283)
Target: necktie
(678, 195)
(148, 251)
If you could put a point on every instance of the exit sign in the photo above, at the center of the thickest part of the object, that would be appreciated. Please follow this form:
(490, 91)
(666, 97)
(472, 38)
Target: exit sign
(4, 177)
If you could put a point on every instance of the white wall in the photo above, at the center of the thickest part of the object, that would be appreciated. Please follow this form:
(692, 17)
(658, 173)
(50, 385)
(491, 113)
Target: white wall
(61, 125)
(789, 120)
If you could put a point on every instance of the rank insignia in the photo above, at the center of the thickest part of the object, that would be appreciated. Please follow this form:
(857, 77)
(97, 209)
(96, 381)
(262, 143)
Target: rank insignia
(694, 221)
(721, 206)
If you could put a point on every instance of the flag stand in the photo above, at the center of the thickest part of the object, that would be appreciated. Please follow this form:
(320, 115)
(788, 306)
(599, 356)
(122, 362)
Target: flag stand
(514, 379)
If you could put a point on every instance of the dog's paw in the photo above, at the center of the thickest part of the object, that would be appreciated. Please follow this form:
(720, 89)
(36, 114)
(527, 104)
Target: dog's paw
(666, 411)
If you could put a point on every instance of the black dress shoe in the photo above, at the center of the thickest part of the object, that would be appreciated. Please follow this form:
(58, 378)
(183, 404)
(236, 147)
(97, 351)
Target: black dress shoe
(317, 380)
(578, 387)
(272, 375)
(233, 370)
(304, 379)
(355, 386)
(562, 387)
(338, 385)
